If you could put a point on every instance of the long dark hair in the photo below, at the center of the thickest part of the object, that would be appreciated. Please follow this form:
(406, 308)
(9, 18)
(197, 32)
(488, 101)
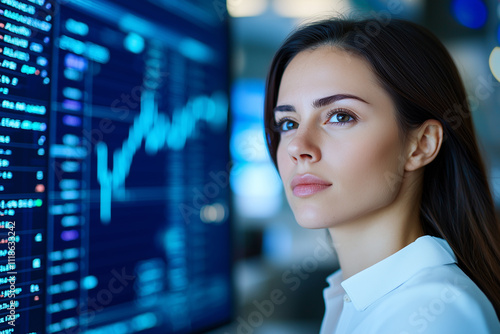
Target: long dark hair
(417, 71)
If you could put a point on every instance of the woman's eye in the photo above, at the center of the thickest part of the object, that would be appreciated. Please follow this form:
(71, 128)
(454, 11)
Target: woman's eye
(341, 118)
(287, 125)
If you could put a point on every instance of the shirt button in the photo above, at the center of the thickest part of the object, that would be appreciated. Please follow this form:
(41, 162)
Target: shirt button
(347, 299)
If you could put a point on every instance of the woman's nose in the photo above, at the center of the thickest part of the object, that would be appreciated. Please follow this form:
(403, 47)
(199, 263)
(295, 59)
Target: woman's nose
(304, 146)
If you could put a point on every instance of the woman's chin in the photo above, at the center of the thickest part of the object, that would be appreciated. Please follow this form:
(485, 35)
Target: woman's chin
(311, 220)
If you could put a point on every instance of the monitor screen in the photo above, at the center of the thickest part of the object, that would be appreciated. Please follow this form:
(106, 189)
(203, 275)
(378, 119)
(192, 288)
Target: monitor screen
(114, 165)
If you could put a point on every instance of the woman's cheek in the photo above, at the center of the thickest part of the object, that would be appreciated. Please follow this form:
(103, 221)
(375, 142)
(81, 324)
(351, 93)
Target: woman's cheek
(367, 162)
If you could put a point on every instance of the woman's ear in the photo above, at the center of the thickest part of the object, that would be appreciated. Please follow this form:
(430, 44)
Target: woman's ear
(424, 144)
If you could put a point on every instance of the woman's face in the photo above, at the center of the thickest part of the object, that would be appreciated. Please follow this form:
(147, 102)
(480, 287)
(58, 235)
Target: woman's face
(339, 154)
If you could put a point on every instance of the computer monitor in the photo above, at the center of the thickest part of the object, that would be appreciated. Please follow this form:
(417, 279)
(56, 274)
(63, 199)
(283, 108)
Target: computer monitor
(114, 166)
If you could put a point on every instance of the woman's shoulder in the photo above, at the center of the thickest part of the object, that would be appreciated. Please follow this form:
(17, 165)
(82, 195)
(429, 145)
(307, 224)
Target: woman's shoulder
(440, 299)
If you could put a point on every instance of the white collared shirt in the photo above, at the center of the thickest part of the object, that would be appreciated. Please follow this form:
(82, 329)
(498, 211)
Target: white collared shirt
(419, 289)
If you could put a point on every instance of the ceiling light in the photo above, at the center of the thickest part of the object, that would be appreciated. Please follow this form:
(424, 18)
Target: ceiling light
(307, 8)
(244, 8)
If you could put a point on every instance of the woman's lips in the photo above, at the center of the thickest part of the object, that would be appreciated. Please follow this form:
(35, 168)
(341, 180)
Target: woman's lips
(307, 185)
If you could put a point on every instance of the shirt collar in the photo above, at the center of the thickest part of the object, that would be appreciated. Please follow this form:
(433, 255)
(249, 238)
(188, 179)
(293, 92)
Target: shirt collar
(374, 282)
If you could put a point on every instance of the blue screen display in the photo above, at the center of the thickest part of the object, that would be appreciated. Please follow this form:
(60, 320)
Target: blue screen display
(114, 167)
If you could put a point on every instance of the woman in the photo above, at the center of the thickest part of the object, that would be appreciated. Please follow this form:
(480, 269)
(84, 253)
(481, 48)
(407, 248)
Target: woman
(370, 129)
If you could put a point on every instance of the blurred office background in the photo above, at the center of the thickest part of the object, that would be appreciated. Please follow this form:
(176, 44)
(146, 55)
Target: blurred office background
(272, 252)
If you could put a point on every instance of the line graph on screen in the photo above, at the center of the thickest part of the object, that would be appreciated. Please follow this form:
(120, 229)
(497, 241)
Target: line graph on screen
(157, 132)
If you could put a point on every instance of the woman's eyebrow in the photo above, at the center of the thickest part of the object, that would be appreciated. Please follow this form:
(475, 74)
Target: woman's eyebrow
(285, 107)
(319, 103)
(334, 98)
